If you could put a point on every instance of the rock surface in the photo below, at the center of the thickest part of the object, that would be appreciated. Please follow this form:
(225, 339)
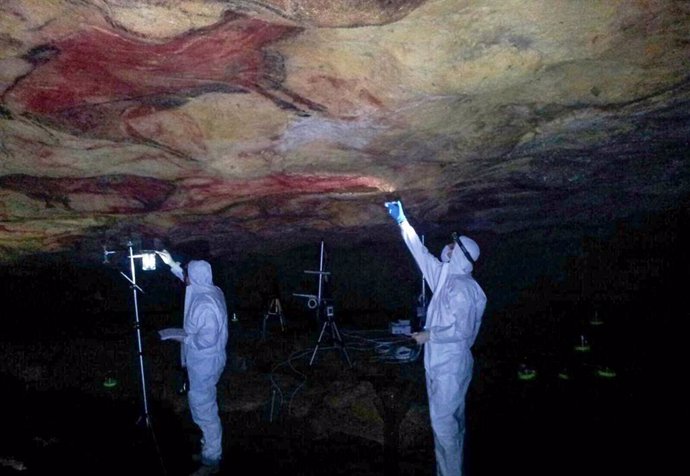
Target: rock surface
(233, 123)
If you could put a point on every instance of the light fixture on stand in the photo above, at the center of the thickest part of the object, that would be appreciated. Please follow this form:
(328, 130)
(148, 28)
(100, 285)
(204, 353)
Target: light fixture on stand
(148, 263)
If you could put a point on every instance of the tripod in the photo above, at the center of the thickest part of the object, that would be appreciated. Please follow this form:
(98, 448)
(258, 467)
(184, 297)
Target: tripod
(329, 323)
(274, 310)
(317, 302)
(146, 417)
(148, 263)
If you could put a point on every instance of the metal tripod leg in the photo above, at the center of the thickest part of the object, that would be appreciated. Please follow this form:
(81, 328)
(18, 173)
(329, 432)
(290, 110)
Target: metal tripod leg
(337, 338)
(274, 309)
(318, 343)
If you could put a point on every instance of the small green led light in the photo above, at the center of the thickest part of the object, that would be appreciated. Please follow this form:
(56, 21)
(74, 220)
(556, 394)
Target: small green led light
(527, 374)
(595, 321)
(582, 345)
(110, 383)
(606, 372)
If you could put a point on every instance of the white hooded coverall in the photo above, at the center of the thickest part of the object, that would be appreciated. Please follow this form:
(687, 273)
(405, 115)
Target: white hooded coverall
(203, 353)
(453, 319)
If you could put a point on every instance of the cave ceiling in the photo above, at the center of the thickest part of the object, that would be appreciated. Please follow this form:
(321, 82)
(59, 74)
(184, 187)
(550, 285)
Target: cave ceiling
(247, 125)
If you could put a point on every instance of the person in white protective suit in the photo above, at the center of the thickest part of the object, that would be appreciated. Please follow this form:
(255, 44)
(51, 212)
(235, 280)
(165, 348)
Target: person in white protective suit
(452, 323)
(203, 353)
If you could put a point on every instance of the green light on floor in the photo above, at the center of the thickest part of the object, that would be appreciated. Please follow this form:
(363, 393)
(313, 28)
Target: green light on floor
(563, 376)
(595, 321)
(582, 345)
(606, 372)
(110, 383)
(527, 374)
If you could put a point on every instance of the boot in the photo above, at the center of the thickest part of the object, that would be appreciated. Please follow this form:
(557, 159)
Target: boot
(205, 470)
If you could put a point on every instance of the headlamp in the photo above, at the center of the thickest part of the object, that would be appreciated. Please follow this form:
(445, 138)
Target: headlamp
(456, 239)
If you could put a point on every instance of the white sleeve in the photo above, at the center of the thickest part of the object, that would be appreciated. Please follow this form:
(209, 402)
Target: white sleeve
(428, 263)
(176, 269)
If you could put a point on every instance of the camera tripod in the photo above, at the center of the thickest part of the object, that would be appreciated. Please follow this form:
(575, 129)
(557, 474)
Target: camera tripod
(318, 303)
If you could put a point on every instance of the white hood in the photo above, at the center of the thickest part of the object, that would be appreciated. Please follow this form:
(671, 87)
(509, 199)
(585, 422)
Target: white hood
(459, 264)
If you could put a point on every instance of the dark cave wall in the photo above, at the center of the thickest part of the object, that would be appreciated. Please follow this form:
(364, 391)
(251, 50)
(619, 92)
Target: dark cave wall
(370, 284)
(540, 294)
(631, 276)
(76, 322)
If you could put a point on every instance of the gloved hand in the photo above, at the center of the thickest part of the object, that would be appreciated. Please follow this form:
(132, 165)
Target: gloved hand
(174, 265)
(421, 337)
(165, 257)
(396, 211)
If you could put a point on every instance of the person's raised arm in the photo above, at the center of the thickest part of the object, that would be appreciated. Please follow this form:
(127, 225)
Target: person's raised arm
(428, 264)
(175, 267)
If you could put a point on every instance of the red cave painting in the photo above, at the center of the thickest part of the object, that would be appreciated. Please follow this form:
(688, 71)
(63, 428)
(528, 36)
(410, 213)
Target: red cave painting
(96, 80)
(131, 193)
(136, 194)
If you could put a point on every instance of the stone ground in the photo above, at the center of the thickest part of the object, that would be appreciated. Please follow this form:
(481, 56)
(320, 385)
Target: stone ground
(283, 417)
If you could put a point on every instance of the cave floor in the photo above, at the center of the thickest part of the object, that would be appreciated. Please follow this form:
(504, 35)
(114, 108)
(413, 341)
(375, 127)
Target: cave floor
(546, 426)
